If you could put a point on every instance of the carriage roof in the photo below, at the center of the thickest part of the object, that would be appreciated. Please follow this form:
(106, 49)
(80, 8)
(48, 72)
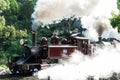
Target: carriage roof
(81, 38)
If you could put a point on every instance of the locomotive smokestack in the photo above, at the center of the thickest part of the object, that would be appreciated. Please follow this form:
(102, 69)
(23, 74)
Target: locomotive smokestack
(33, 38)
(100, 39)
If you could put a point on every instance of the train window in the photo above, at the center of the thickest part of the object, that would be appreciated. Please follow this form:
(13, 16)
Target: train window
(64, 51)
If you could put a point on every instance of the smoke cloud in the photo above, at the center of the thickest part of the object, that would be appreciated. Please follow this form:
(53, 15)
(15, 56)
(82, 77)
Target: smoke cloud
(47, 11)
(102, 63)
(94, 13)
(95, 16)
(99, 26)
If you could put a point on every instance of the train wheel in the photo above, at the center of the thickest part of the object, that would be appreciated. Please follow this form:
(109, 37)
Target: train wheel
(14, 71)
(38, 67)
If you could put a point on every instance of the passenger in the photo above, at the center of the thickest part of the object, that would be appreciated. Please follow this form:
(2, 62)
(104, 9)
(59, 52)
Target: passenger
(83, 44)
(44, 41)
(86, 48)
(54, 39)
(64, 41)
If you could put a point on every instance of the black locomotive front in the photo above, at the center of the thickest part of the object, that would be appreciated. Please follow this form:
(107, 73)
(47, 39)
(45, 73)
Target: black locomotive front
(31, 58)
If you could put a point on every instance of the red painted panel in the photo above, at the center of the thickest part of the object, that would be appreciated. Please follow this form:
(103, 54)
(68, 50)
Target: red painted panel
(57, 51)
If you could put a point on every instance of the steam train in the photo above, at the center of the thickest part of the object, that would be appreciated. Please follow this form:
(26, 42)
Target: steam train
(33, 56)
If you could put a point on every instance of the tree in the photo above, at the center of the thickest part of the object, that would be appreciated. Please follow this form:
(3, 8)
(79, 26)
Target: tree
(26, 9)
(115, 21)
(118, 3)
(11, 14)
(9, 35)
(19, 13)
(2, 24)
(4, 4)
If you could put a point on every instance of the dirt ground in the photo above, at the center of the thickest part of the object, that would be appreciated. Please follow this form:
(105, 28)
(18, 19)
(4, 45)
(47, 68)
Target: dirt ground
(114, 76)
(21, 78)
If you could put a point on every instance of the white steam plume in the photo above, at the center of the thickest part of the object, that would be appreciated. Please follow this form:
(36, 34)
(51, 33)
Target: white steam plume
(91, 11)
(99, 26)
(94, 13)
(103, 63)
(47, 11)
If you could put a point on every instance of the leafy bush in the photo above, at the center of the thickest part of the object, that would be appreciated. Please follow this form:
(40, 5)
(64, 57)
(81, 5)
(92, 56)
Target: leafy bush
(3, 57)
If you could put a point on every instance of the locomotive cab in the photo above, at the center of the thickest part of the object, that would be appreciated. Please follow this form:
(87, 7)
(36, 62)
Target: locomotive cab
(83, 45)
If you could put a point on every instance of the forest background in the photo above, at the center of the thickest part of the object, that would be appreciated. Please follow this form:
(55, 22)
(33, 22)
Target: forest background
(15, 24)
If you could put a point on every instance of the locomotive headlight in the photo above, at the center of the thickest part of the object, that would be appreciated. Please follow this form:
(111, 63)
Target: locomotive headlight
(21, 41)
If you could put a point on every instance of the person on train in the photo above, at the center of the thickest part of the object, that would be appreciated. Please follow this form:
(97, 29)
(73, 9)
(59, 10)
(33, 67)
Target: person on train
(54, 39)
(86, 47)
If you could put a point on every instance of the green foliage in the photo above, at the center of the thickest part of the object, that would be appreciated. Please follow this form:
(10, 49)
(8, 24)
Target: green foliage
(26, 9)
(44, 32)
(118, 2)
(21, 33)
(2, 21)
(9, 35)
(115, 20)
(2, 24)
(19, 14)
(4, 67)
(4, 4)
(9, 32)
(11, 14)
(14, 48)
(3, 57)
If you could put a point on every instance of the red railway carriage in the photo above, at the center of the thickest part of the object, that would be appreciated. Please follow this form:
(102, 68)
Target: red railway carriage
(59, 51)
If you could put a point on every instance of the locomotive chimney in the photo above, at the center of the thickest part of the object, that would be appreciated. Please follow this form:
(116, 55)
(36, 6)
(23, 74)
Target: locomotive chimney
(99, 39)
(33, 38)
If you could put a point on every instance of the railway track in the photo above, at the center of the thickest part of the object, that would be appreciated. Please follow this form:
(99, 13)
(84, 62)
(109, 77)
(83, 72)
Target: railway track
(21, 77)
(25, 76)
(15, 75)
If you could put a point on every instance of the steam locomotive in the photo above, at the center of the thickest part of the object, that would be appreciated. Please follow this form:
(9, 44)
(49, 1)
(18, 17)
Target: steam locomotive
(33, 56)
